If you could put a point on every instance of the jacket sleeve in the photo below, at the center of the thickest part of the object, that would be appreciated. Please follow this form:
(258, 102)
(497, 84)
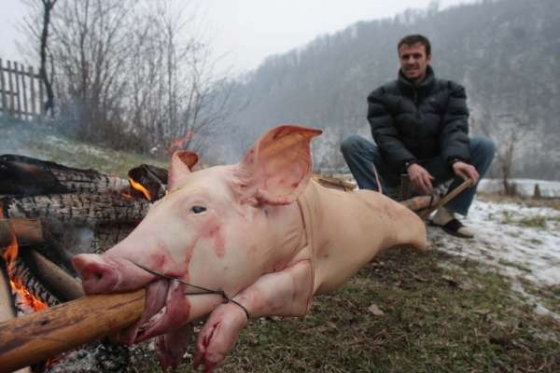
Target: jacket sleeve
(384, 132)
(454, 137)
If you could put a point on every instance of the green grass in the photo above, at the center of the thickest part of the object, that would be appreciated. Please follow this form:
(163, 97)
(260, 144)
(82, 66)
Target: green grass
(460, 317)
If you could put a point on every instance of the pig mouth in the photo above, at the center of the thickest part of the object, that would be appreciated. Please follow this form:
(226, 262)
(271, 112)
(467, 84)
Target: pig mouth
(167, 305)
(191, 289)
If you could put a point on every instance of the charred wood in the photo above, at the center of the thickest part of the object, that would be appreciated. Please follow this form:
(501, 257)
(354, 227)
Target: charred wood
(22, 175)
(152, 178)
(79, 209)
(57, 281)
(107, 235)
(21, 271)
(26, 231)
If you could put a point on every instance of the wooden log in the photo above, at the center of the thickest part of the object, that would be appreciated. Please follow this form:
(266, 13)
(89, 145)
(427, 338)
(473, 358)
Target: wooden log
(38, 336)
(63, 285)
(26, 231)
(7, 311)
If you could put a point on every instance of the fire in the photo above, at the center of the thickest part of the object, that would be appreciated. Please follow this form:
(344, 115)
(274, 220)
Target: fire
(18, 287)
(139, 187)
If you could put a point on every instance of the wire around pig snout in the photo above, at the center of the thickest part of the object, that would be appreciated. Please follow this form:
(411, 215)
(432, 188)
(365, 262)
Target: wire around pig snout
(198, 290)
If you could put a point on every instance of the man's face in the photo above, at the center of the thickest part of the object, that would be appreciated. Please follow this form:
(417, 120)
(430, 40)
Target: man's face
(414, 61)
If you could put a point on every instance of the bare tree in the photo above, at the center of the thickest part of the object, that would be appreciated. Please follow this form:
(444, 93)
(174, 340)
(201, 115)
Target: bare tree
(134, 70)
(508, 130)
(48, 6)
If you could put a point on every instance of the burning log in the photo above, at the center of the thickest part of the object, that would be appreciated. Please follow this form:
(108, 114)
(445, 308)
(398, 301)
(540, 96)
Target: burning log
(7, 311)
(22, 175)
(32, 295)
(153, 181)
(79, 209)
(26, 231)
(56, 280)
(36, 337)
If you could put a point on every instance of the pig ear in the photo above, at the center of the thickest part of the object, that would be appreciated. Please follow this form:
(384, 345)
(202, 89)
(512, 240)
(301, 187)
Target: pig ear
(182, 164)
(278, 165)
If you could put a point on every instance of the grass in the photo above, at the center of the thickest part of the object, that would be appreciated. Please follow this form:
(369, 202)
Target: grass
(460, 317)
(38, 140)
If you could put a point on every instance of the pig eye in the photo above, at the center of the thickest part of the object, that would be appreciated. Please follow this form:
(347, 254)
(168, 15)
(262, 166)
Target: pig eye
(198, 209)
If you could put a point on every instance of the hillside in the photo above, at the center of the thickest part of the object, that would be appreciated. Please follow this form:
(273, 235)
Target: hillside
(505, 52)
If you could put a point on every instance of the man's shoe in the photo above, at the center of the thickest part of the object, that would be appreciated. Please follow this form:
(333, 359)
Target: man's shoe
(447, 221)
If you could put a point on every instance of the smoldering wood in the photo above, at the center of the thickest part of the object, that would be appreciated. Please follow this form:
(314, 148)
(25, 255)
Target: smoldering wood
(22, 271)
(55, 280)
(152, 178)
(26, 231)
(36, 337)
(78, 209)
(23, 175)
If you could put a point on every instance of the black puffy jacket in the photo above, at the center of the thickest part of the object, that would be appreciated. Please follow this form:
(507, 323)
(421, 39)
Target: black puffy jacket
(413, 123)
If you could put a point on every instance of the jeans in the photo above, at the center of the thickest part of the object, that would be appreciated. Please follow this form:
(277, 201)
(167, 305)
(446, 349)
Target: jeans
(361, 155)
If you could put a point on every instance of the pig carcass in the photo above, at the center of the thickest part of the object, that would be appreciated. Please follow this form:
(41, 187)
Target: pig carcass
(258, 238)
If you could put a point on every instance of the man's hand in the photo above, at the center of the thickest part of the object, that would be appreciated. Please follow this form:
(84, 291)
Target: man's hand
(421, 178)
(466, 171)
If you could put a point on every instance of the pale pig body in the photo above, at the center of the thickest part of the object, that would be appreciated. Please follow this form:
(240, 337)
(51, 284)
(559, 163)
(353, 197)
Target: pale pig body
(260, 231)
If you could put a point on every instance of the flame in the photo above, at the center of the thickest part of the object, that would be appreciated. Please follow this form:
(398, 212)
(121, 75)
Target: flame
(18, 287)
(139, 187)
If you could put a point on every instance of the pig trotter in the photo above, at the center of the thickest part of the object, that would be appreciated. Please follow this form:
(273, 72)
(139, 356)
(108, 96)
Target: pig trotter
(218, 335)
(221, 330)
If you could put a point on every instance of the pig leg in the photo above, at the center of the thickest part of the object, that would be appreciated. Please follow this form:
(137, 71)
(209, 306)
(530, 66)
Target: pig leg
(284, 293)
(171, 346)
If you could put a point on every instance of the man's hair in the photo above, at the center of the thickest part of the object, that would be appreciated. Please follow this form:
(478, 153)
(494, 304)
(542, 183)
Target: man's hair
(415, 39)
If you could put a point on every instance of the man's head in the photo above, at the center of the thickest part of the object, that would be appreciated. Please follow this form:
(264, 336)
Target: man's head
(415, 54)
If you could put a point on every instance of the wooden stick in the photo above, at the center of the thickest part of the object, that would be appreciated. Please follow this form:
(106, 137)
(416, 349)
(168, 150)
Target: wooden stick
(38, 336)
(27, 231)
(464, 185)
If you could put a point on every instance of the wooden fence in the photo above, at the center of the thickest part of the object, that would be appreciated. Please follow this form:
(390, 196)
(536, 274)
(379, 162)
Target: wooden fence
(21, 91)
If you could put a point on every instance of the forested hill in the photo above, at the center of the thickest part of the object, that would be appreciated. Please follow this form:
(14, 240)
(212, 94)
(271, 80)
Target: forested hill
(506, 53)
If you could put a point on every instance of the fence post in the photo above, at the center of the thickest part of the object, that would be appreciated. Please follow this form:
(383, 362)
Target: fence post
(11, 86)
(32, 89)
(24, 76)
(41, 97)
(17, 91)
(3, 89)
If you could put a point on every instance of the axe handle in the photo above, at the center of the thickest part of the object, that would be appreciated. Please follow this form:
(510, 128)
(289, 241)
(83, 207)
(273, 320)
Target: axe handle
(464, 185)
(38, 336)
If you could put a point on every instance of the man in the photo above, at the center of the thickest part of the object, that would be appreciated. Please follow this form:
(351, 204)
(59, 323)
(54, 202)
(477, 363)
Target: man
(420, 126)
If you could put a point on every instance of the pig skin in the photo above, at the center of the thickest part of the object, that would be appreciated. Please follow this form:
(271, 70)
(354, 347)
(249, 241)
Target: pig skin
(261, 231)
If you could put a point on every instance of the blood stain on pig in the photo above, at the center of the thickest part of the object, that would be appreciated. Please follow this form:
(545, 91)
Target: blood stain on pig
(212, 229)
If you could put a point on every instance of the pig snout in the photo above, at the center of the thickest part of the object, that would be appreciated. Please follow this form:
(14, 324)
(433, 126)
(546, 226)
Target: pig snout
(103, 274)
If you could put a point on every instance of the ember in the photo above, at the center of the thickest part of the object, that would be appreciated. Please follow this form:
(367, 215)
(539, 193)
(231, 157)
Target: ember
(23, 297)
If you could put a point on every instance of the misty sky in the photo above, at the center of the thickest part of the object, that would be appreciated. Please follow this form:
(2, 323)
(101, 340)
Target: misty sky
(247, 31)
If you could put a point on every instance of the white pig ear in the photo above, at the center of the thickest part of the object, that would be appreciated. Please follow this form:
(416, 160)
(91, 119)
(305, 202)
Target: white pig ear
(182, 163)
(278, 165)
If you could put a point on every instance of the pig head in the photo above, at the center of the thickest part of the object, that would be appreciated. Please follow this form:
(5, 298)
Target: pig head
(257, 238)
